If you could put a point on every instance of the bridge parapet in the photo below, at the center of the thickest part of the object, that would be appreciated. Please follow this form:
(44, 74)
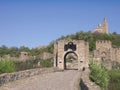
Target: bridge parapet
(7, 77)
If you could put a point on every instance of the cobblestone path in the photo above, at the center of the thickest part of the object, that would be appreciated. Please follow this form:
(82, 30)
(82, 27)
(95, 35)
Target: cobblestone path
(64, 80)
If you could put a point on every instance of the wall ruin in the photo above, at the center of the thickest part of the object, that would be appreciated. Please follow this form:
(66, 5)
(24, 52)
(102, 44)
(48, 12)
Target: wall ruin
(104, 52)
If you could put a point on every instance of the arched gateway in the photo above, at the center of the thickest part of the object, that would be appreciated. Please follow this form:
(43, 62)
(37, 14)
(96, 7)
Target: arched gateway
(78, 47)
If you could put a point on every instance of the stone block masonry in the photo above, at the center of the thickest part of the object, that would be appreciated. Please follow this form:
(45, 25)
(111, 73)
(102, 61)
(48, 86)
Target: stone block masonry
(86, 84)
(8, 77)
(106, 53)
(78, 47)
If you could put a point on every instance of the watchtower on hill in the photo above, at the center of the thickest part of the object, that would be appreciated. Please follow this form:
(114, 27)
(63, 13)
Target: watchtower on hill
(102, 28)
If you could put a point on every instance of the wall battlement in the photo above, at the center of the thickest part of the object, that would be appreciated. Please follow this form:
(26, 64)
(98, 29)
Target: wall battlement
(116, 49)
(103, 42)
(110, 53)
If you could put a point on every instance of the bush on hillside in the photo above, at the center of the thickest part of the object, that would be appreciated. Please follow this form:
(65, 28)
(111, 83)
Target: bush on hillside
(47, 63)
(30, 64)
(7, 66)
(24, 65)
(99, 75)
(114, 82)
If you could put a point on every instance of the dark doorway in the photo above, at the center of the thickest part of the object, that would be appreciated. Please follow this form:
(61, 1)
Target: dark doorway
(71, 61)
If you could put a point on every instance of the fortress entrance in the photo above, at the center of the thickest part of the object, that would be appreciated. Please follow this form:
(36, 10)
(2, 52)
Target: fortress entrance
(70, 60)
(71, 54)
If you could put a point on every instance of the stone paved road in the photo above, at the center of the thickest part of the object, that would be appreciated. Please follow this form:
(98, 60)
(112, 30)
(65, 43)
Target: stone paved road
(65, 80)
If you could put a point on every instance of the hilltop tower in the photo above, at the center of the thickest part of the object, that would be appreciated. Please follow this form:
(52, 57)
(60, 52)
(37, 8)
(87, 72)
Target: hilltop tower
(102, 28)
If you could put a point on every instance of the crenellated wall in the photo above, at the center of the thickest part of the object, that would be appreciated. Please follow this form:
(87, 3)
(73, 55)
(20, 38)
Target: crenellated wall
(103, 43)
(104, 52)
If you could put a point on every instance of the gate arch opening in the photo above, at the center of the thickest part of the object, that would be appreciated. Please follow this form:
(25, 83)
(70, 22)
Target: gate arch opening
(103, 56)
(71, 60)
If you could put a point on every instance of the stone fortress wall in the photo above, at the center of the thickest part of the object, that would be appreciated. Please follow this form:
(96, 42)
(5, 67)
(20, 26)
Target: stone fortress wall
(105, 51)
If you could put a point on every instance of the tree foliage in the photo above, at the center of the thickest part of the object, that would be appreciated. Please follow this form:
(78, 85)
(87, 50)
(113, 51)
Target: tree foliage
(93, 37)
(15, 52)
(87, 36)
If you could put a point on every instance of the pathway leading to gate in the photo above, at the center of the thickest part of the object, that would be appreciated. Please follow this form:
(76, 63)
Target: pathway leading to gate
(64, 80)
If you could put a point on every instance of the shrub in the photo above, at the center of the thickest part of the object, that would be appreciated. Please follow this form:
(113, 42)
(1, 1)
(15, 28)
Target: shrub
(46, 63)
(24, 65)
(30, 64)
(114, 83)
(7, 66)
(99, 75)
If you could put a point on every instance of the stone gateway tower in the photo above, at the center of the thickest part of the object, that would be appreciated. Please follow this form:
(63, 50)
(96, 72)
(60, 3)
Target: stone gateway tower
(63, 47)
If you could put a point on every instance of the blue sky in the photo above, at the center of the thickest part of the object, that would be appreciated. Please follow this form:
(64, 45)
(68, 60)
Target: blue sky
(38, 22)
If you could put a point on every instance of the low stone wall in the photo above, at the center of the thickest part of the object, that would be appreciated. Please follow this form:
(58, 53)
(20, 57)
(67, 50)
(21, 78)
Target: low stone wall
(7, 77)
(86, 84)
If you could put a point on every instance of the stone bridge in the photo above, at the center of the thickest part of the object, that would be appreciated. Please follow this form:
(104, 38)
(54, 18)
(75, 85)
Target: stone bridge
(47, 79)
(63, 80)
(59, 77)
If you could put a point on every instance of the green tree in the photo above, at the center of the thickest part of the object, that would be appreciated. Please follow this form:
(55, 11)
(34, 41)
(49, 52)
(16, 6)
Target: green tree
(14, 51)
(4, 50)
(23, 48)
